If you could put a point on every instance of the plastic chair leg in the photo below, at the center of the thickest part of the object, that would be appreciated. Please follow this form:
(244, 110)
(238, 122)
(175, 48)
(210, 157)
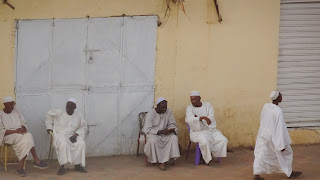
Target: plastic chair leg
(198, 155)
(5, 157)
(187, 155)
(138, 145)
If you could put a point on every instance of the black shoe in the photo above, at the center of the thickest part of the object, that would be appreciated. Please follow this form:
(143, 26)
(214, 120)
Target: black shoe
(258, 178)
(295, 174)
(80, 169)
(61, 171)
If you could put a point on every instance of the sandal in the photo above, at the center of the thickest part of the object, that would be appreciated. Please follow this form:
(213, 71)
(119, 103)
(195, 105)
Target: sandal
(21, 173)
(162, 167)
(41, 165)
(61, 171)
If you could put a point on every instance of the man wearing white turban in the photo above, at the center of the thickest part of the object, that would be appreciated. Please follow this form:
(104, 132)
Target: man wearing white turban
(14, 131)
(273, 152)
(69, 129)
(161, 130)
(200, 118)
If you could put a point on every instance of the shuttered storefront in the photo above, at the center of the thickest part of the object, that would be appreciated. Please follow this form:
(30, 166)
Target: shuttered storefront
(299, 62)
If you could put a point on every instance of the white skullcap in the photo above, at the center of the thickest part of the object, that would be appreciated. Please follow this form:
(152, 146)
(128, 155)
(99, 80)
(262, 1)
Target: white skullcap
(274, 95)
(159, 100)
(7, 99)
(195, 93)
(72, 100)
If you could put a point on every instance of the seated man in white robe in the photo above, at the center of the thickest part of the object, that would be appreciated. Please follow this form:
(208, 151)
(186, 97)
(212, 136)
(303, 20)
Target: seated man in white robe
(161, 130)
(200, 118)
(13, 131)
(273, 152)
(69, 129)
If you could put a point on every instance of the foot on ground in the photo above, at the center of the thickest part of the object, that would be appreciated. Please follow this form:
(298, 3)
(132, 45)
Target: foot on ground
(162, 166)
(21, 172)
(80, 169)
(295, 174)
(258, 178)
(61, 171)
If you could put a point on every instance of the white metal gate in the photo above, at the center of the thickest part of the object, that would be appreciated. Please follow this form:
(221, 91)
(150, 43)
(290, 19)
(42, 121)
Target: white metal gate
(299, 62)
(107, 64)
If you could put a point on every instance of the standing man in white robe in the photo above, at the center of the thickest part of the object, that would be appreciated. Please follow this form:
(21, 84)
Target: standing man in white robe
(69, 129)
(13, 131)
(200, 118)
(273, 152)
(161, 130)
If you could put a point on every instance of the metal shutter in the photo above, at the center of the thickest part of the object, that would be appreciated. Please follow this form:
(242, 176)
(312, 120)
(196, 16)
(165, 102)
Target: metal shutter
(299, 62)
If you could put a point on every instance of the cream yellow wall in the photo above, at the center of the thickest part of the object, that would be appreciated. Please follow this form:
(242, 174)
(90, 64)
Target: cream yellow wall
(233, 64)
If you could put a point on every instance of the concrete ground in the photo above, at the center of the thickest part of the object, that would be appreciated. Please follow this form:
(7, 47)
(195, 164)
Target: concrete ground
(238, 165)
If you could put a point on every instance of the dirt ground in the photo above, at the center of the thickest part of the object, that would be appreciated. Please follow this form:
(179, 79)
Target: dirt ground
(238, 165)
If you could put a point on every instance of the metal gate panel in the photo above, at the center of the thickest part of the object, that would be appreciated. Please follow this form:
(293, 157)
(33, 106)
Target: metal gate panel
(33, 108)
(139, 46)
(69, 52)
(299, 62)
(103, 52)
(133, 102)
(108, 65)
(137, 85)
(33, 69)
(102, 118)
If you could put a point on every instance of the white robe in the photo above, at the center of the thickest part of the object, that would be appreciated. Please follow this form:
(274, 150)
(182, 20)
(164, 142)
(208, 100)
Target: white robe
(160, 148)
(21, 143)
(64, 126)
(272, 137)
(210, 139)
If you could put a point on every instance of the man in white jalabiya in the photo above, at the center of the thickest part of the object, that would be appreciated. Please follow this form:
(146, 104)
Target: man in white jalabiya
(273, 152)
(161, 130)
(14, 131)
(200, 118)
(69, 129)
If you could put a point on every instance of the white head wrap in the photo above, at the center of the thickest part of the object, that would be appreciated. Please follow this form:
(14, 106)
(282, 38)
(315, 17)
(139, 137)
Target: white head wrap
(7, 99)
(274, 95)
(72, 100)
(159, 100)
(195, 93)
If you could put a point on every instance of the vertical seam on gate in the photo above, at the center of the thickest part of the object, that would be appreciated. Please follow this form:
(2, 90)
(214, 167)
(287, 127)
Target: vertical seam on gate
(120, 85)
(86, 92)
(16, 57)
(51, 66)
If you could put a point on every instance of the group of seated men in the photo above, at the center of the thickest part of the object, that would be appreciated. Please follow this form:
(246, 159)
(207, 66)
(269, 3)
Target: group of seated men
(273, 152)
(68, 129)
(161, 131)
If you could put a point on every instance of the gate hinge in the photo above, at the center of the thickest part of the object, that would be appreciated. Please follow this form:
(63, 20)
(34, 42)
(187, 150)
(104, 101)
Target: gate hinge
(17, 25)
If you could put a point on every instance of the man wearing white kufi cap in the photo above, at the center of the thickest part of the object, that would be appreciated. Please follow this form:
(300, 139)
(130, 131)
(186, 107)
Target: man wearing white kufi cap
(13, 131)
(273, 152)
(69, 129)
(161, 130)
(200, 118)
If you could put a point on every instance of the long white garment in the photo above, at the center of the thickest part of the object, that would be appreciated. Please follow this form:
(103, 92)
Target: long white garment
(64, 126)
(210, 139)
(21, 143)
(272, 137)
(160, 148)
